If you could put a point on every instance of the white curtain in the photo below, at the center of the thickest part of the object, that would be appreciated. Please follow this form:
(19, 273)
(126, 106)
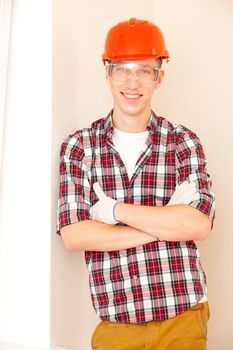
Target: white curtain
(5, 26)
(25, 158)
(5, 21)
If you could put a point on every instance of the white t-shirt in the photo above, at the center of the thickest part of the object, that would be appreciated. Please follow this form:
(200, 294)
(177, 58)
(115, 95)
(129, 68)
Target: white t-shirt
(129, 145)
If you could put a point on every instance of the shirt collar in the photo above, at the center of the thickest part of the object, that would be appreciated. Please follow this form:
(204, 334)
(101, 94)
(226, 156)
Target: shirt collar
(108, 124)
(153, 122)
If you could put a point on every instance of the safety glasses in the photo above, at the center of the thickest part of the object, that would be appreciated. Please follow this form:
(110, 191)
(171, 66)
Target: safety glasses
(122, 72)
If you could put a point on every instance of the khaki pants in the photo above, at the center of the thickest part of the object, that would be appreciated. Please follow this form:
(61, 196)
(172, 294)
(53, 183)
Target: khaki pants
(187, 331)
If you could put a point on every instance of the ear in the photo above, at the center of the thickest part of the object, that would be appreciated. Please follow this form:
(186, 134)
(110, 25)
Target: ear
(160, 79)
(106, 72)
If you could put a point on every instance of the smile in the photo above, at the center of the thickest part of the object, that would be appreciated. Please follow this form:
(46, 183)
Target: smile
(131, 96)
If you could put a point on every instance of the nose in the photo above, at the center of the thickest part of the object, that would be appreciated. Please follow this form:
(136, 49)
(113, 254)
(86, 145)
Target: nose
(132, 80)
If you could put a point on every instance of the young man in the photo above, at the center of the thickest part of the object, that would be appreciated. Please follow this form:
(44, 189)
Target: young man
(135, 195)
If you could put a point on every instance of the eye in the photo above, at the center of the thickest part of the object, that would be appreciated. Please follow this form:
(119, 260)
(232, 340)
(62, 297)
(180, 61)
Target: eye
(145, 71)
(122, 69)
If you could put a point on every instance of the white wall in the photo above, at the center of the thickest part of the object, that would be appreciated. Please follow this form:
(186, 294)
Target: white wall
(196, 92)
(26, 180)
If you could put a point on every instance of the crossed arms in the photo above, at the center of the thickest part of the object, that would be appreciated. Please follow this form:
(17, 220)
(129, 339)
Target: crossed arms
(143, 224)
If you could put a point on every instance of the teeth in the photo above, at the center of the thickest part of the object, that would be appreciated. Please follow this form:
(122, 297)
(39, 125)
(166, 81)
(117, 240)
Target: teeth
(132, 96)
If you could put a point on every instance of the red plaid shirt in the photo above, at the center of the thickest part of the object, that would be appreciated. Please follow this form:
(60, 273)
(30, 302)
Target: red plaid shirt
(158, 280)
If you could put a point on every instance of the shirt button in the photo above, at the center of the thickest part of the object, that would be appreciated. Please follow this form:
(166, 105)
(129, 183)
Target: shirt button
(135, 277)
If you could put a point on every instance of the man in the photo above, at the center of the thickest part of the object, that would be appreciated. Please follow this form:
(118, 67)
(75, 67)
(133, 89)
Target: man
(135, 195)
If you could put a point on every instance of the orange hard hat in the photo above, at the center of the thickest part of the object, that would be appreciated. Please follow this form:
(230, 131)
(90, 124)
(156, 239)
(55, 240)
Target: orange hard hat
(134, 39)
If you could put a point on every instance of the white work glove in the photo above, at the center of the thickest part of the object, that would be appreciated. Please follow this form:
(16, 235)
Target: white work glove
(184, 193)
(103, 210)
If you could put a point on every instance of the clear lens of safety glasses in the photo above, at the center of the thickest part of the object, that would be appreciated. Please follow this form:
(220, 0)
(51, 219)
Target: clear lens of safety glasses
(124, 71)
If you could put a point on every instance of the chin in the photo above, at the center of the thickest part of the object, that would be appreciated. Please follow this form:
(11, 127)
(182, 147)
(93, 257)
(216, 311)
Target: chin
(132, 111)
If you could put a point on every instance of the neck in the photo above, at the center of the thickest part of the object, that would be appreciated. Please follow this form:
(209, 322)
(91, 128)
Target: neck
(130, 123)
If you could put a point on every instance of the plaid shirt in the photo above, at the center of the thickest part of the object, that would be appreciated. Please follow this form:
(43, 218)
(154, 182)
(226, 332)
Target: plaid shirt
(158, 280)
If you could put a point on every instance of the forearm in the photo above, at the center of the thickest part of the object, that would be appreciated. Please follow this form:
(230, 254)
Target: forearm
(97, 236)
(170, 223)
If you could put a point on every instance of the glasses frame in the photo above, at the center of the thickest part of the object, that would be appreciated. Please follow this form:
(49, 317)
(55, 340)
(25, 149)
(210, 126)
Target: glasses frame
(110, 66)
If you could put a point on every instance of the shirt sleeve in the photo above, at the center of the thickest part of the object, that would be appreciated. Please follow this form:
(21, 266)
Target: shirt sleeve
(74, 187)
(192, 167)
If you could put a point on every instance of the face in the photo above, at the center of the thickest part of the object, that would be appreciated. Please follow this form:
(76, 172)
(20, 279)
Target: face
(133, 97)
